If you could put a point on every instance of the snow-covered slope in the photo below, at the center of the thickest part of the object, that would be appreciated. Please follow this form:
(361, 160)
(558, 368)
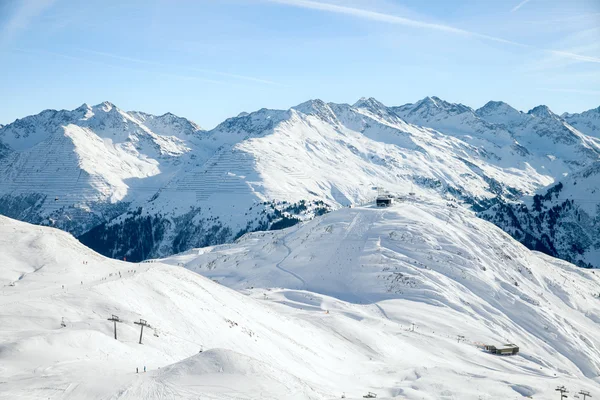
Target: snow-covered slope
(568, 230)
(587, 122)
(539, 137)
(169, 125)
(439, 267)
(251, 348)
(324, 155)
(75, 169)
(563, 221)
(396, 267)
(138, 186)
(444, 116)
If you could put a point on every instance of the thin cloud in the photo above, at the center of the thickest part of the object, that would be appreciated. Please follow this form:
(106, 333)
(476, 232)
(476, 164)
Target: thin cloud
(521, 4)
(206, 71)
(103, 64)
(577, 57)
(392, 19)
(580, 18)
(22, 18)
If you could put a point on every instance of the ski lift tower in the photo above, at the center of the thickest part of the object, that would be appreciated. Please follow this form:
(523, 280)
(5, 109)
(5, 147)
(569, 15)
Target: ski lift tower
(562, 391)
(142, 324)
(585, 394)
(114, 319)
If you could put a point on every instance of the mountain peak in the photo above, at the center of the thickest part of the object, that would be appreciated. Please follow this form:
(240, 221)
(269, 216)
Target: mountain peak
(83, 111)
(430, 106)
(311, 103)
(433, 101)
(167, 124)
(499, 112)
(105, 106)
(316, 107)
(427, 102)
(369, 103)
(493, 105)
(593, 112)
(541, 111)
(587, 122)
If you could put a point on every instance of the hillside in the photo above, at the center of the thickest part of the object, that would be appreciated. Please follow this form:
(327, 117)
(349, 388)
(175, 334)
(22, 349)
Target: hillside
(76, 169)
(587, 122)
(425, 251)
(389, 269)
(425, 262)
(563, 221)
(133, 185)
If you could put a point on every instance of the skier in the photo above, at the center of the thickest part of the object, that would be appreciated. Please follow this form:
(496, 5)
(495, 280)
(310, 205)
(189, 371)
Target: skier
(144, 368)
(136, 370)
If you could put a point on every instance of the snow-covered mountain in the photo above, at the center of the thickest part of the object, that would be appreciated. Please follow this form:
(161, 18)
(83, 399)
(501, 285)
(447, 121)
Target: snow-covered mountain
(564, 224)
(564, 221)
(425, 262)
(79, 168)
(135, 185)
(393, 301)
(540, 131)
(587, 122)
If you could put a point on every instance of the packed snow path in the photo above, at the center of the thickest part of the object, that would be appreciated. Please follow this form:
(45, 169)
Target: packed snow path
(278, 265)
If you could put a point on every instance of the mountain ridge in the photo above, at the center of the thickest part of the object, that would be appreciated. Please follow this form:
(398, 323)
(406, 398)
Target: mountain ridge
(185, 187)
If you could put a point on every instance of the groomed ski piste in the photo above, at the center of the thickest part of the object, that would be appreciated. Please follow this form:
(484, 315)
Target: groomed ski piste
(396, 301)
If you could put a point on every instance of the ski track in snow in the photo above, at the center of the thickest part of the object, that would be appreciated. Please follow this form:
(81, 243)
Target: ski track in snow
(278, 265)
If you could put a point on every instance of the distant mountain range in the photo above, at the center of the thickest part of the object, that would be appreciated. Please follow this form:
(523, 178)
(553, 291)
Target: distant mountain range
(135, 185)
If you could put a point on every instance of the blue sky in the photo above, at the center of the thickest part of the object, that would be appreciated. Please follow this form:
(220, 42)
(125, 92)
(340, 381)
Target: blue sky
(211, 59)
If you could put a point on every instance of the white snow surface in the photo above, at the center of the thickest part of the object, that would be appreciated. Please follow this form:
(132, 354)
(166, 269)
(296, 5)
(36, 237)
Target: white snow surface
(336, 153)
(587, 122)
(439, 267)
(322, 309)
(92, 157)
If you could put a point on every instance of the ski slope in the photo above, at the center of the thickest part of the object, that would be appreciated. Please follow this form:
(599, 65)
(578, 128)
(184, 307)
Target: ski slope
(351, 332)
(430, 263)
